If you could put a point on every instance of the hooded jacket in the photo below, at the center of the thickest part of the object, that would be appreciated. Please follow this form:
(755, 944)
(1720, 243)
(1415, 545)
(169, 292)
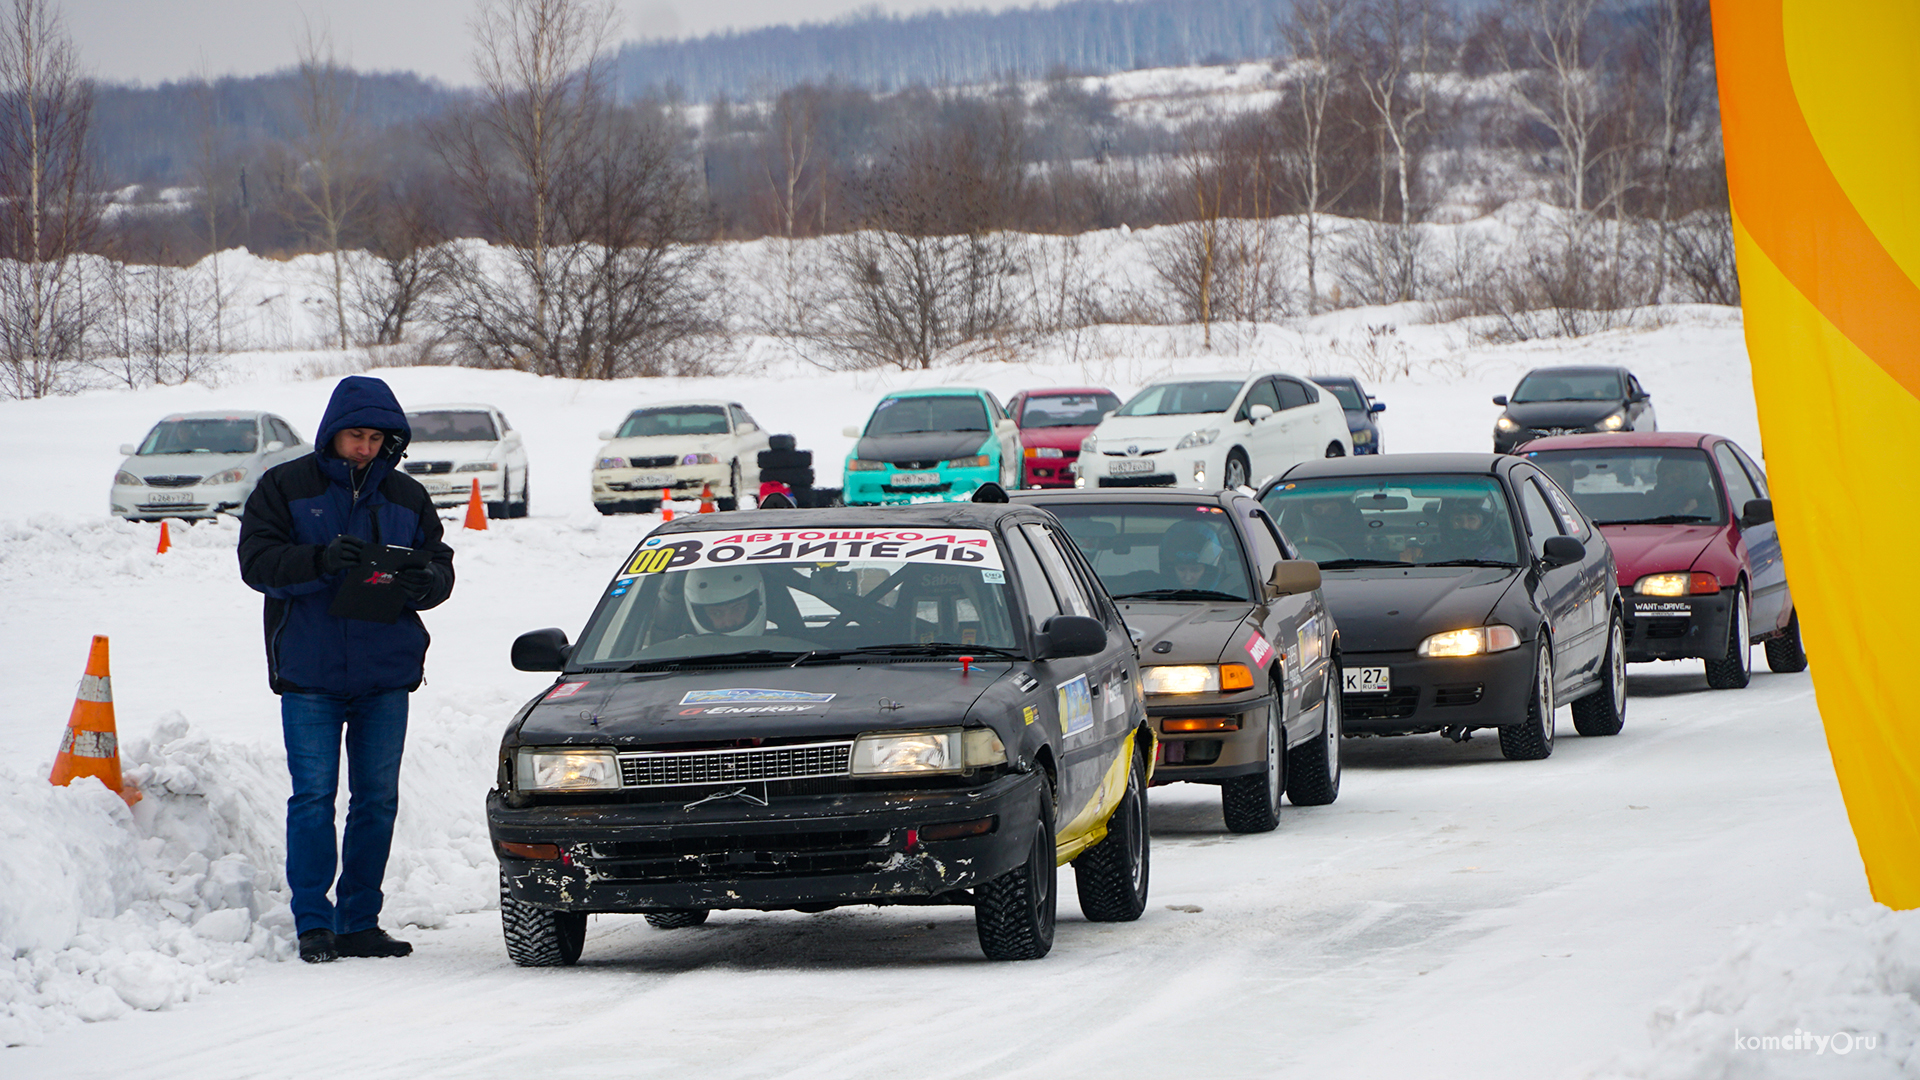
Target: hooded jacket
(297, 509)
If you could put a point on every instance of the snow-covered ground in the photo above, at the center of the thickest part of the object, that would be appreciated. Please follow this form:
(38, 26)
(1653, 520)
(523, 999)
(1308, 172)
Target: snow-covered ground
(1635, 906)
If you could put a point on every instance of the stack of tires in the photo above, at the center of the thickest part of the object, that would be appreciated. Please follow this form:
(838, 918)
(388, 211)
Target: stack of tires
(780, 463)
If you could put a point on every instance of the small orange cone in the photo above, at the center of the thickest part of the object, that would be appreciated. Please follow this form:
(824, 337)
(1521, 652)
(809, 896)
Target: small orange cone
(706, 498)
(666, 506)
(91, 747)
(165, 543)
(476, 510)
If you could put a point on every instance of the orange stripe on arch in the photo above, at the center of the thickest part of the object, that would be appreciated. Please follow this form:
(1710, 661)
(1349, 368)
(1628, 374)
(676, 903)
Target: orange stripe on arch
(1794, 207)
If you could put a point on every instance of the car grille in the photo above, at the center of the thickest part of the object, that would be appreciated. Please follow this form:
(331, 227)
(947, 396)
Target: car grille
(1397, 704)
(1653, 629)
(172, 481)
(658, 769)
(934, 464)
(664, 462)
(429, 468)
(1143, 453)
(1163, 480)
(695, 858)
(1458, 694)
(934, 489)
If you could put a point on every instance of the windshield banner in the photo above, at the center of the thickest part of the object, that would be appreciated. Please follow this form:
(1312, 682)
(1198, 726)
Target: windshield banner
(675, 552)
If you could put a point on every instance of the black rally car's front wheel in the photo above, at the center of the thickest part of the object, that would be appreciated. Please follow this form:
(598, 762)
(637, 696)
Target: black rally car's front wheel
(540, 937)
(1013, 914)
(1251, 804)
(1111, 876)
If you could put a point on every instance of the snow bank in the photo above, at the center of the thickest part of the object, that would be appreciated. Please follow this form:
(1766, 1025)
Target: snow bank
(1823, 992)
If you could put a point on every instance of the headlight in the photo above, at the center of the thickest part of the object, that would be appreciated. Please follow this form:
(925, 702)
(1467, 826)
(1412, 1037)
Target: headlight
(1504, 424)
(1195, 678)
(1197, 438)
(127, 479)
(1473, 641)
(478, 466)
(231, 476)
(1677, 583)
(1089, 445)
(862, 465)
(978, 461)
(1045, 451)
(700, 459)
(947, 751)
(612, 463)
(566, 769)
(1613, 423)
(1362, 437)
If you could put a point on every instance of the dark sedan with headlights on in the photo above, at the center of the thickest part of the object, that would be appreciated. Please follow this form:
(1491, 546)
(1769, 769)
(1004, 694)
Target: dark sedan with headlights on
(1470, 593)
(1238, 655)
(1571, 400)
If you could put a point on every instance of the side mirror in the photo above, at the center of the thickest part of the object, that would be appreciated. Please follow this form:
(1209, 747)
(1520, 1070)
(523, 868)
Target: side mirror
(1257, 413)
(1379, 407)
(605, 436)
(276, 446)
(512, 439)
(541, 650)
(1756, 512)
(1292, 577)
(1072, 635)
(1004, 425)
(989, 492)
(1500, 400)
(127, 449)
(1562, 551)
(850, 432)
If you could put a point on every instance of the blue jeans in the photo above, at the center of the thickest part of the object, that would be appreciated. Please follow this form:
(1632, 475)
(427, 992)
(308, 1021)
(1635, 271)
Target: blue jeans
(375, 726)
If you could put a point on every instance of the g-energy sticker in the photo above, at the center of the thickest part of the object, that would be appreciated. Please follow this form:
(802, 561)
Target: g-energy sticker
(676, 552)
(748, 710)
(751, 696)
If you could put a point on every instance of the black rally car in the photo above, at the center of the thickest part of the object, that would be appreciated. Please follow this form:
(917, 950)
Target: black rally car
(801, 709)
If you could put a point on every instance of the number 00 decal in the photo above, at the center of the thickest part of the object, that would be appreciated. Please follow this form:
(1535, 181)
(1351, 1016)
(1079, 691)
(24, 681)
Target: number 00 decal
(652, 562)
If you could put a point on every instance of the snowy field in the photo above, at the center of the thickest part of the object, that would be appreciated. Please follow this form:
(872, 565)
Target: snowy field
(1633, 906)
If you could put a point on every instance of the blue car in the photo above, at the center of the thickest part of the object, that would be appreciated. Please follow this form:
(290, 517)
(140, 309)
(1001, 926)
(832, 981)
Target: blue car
(1360, 408)
(932, 445)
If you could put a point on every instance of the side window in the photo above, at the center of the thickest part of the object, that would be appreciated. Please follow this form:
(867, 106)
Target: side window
(993, 407)
(1292, 394)
(1571, 522)
(1267, 546)
(1034, 590)
(1073, 597)
(1540, 523)
(1739, 488)
(1754, 472)
(504, 426)
(1262, 393)
(741, 421)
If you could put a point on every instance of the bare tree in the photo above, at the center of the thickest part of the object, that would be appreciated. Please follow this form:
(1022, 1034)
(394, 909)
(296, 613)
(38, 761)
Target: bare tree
(1318, 34)
(48, 212)
(1561, 89)
(329, 182)
(212, 160)
(405, 265)
(1678, 46)
(1396, 67)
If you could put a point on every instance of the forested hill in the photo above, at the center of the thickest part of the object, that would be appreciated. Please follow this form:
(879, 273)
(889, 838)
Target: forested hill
(879, 52)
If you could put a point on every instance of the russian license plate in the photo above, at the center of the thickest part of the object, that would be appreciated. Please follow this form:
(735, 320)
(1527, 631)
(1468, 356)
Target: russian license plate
(1130, 466)
(651, 480)
(169, 498)
(1366, 680)
(916, 479)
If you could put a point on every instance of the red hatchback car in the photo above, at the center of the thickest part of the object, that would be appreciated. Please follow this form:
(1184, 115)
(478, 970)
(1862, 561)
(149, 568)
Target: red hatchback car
(1053, 424)
(1690, 522)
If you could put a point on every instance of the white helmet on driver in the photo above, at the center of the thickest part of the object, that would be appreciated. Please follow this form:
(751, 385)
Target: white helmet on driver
(727, 600)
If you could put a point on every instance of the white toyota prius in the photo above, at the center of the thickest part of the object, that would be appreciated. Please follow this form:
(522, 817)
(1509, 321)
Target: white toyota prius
(1213, 432)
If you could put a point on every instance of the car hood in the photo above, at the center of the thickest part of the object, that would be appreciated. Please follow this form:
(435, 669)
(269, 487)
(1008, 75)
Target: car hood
(659, 445)
(1552, 414)
(1640, 550)
(1060, 438)
(1199, 633)
(653, 709)
(1157, 428)
(924, 446)
(1389, 609)
(453, 451)
(186, 464)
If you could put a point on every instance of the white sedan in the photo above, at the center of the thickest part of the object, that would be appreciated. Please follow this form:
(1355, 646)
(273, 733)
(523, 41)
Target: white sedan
(1214, 431)
(454, 445)
(201, 464)
(679, 447)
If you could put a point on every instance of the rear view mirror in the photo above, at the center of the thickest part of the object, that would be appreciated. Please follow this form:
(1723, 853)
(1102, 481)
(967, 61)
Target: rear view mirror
(1072, 635)
(1259, 412)
(1562, 551)
(1292, 577)
(605, 436)
(541, 650)
(1379, 407)
(1500, 400)
(850, 432)
(127, 449)
(1756, 512)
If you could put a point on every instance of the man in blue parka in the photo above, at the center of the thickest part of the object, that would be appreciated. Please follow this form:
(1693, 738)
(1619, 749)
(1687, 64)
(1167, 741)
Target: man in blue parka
(309, 523)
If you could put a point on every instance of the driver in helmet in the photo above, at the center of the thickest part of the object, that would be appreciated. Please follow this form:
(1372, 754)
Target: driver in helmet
(730, 600)
(1192, 554)
(1470, 530)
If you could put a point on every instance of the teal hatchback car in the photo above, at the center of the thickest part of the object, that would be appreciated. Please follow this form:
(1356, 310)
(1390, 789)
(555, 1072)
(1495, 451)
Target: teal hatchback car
(935, 445)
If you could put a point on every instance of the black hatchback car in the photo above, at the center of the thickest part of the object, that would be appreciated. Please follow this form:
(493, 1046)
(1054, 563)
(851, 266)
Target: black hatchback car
(1569, 401)
(1470, 593)
(802, 709)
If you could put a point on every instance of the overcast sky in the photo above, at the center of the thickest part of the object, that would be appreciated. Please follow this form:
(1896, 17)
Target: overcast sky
(152, 40)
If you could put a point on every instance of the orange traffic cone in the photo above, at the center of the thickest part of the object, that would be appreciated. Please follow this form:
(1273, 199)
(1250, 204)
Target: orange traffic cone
(476, 510)
(164, 542)
(666, 507)
(91, 747)
(706, 498)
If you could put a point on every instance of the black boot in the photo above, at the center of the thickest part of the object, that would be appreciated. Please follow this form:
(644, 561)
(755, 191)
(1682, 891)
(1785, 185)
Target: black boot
(318, 947)
(373, 942)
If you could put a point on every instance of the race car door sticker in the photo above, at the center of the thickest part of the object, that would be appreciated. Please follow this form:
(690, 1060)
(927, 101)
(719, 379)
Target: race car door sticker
(567, 689)
(751, 696)
(1075, 699)
(676, 552)
(1258, 648)
(1116, 705)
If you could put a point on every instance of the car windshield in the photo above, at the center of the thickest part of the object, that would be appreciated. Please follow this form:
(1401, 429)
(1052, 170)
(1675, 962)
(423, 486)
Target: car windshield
(210, 436)
(451, 426)
(1568, 386)
(1348, 397)
(912, 415)
(1182, 399)
(1347, 522)
(1169, 551)
(800, 596)
(1067, 410)
(675, 420)
(1638, 485)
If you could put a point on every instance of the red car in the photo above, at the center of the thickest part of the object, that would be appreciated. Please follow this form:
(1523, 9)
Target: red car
(1691, 526)
(1053, 423)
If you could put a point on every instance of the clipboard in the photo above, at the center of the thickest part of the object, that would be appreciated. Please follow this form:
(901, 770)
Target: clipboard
(368, 591)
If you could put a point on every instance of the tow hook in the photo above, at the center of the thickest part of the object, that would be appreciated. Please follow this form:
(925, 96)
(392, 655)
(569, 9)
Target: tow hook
(1457, 733)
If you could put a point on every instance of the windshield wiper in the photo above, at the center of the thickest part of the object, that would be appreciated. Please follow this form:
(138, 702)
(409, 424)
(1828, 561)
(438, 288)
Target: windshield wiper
(1664, 519)
(930, 648)
(1467, 562)
(673, 662)
(1349, 564)
(1183, 594)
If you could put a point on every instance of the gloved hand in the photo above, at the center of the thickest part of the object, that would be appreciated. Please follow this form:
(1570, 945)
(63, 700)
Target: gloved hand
(346, 550)
(415, 582)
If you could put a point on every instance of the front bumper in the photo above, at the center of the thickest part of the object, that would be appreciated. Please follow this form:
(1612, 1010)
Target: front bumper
(625, 485)
(456, 489)
(1432, 694)
(1050, 472)
(1161, 468)
(1209, 755)
(200, 501)
(1677, 628)
(877, 488)
(798, 851)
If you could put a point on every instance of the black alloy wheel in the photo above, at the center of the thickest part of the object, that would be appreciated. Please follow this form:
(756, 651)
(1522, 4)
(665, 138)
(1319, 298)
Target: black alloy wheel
(1111, 876)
